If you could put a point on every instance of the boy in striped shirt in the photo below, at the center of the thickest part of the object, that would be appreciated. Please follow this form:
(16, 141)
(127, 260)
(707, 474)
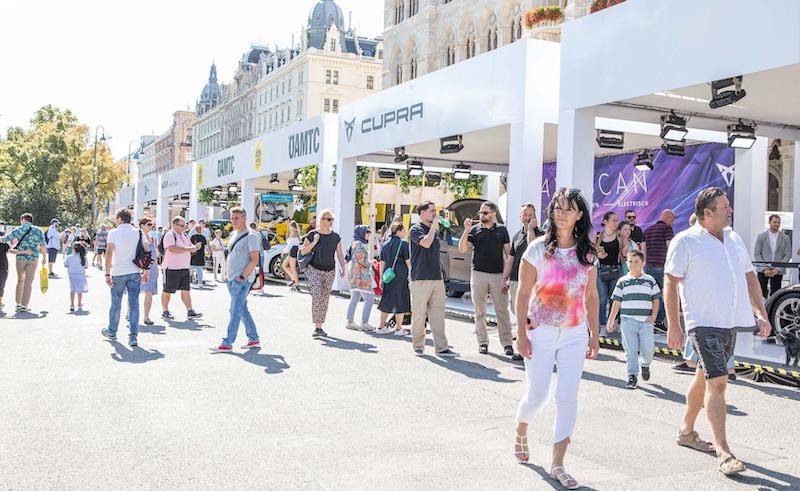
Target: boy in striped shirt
(636, 297)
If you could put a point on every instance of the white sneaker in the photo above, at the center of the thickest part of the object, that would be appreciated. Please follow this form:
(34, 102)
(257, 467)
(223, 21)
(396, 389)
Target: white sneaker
(352, 326)
(384, 330)
(366, 327)
(400, 332)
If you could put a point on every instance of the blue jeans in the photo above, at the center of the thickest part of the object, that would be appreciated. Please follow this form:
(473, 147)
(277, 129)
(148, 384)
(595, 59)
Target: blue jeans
(658, 275)
(355, 296)
(638, 341)
(239, 313)
(690, 355)
(132, 283)
(604, 290)
(199, 272)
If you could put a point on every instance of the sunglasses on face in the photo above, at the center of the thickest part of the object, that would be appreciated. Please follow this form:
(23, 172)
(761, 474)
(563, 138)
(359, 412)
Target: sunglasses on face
(328, 219)
(630, 217)
(485, 212)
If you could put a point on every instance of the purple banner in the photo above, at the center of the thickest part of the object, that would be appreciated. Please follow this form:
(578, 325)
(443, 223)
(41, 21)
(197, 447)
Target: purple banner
(672, 184)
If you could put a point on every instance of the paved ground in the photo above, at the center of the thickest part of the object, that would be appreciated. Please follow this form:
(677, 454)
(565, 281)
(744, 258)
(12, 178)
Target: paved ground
(354, 411)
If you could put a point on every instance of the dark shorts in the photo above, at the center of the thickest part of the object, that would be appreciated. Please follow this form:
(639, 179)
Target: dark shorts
(293, 251)
(52, 255)
(101, 250)
(713, 346)
(176, 279)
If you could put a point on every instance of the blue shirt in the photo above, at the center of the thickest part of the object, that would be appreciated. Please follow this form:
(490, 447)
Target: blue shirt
(32, 242)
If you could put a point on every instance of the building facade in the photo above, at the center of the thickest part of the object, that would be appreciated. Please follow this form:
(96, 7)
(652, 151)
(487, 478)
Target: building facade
(273, 88)
(170, 150)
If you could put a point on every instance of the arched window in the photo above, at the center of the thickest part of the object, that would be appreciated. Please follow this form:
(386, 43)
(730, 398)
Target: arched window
(412, 64)
(491, 34)
(470, 47)
(773, 193)
(450, 50)
(414, 7)
(398, 75)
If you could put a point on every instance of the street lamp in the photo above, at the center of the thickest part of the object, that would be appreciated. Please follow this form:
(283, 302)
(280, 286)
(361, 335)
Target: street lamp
(94, 174)
(141, 147)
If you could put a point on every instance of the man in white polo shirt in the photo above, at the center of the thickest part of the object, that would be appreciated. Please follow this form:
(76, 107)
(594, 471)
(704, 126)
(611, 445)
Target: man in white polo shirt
(709, 269)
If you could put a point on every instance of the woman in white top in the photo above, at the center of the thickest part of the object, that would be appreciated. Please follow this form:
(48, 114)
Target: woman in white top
(290, 263)
(218, 256)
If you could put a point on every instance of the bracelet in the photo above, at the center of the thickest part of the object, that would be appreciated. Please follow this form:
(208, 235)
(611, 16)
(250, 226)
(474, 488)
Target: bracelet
(108, 274)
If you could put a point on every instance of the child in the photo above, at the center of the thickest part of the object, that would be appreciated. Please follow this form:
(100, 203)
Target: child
(636, 297)
(76, 267)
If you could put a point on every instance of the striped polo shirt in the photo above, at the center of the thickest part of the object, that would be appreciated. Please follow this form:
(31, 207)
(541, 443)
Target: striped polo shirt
(636, 295)
(655, 239)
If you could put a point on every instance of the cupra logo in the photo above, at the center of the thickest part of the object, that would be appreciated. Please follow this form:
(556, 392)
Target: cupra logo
(348, 127)
(727, 172)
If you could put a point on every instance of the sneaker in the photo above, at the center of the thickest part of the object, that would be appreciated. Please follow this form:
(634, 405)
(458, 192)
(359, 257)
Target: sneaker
(352, 326)
(448, 353)
(252, 344)
(517, 357)
(148, 322)
(51, 275)
(384, 330)
(366, 327)
(24, 308)
(108, 334)
(483, 349)
(2, 305)
(18, 307)
(731, 377)
(132, 341)
(418, 352)
(645, 373)
(400, 332)
(631, 382)
(166, 315)
(319, 333)
(221, 349)
(659, 327)
(509, 350)
(193, 315)
(683, 367)
(72, 308)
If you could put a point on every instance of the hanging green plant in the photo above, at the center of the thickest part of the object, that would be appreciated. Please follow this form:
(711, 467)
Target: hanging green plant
(307, 176)
(469, 188)
(407, 182)
(206, 196)
(362, 180)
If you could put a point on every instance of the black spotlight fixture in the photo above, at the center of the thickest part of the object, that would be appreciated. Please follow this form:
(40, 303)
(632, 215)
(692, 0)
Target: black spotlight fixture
(726, 97)
(415, 168)
(673, 127)
(434, 177)
(274, 179)
(295, 186)
(644, 161)
(452, 144)
(674, 148)
(610, 139)
(462, 172)
(400, 155)
(741, 135)
(386, 173)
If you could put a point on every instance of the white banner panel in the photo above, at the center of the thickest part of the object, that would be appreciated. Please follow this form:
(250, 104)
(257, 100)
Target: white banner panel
(177, 181)
(127, 196)
(147, 190)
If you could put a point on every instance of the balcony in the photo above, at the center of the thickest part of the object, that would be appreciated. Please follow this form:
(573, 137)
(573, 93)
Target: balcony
(545, 19)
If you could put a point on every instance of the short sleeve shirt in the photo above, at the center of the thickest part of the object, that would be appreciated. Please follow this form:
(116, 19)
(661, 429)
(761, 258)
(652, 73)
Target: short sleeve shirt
(176, 260)
(239, 255)
(489, 247)
(656, 238)
(560, 285)
(102, 239)
(519, 244)
(713, 286)
(636, 295)
(425, 263)
(32, 241)
(325, 251)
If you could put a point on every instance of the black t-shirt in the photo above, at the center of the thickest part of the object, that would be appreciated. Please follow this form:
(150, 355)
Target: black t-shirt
(325, 250)
(425, 263)
(3, 257)
(519, 245)
(198, 257)
(388, 252)
(637, 234)
(612, 249)
(488, 242)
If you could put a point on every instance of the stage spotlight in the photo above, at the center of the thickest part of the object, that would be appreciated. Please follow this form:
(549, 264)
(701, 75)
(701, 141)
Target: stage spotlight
(610, 139)
(741, 135)
(232, 189)
(673, 127)
(644, 161)
(674, 148)
(415, 168)
(295, 186)
(386, 174)
(727, 97)
(274, 179)
(434, 177)
(400, 155)
(462, 172)
(217, 192)
(451, 144)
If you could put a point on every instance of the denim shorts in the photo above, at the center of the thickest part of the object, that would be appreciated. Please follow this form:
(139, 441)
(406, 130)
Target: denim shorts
(713, 345)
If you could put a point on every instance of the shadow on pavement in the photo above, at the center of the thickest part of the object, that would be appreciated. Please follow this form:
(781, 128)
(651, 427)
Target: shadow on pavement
(80, 313)
(135, 354)
(781, 480)
(771, 389)
(338, 343)
(519, 364)
(547, 480)
(24, 316)
(469, 369)
(188, 325)
(154, 329)
(272, 363)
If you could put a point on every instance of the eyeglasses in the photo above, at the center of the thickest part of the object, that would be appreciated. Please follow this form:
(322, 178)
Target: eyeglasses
(630, 217)
(328, 219)
(180, 224)
(148, 224)
(485, 212)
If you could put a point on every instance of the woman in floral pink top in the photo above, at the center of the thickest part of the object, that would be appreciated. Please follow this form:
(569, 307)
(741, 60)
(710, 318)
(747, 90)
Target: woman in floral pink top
(556, 299)
(359, 279)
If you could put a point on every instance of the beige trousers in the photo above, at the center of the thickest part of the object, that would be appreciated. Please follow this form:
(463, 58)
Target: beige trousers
(428, 297)
(482, 286)
(26, 273)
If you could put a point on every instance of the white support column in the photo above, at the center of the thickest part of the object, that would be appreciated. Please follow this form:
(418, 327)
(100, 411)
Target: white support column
(248, 199)
(344, 208)
(524, 181)
(162, 207)
(750, 192)
(196, 210)
(796, 209)
(491, 188)
(576, 134)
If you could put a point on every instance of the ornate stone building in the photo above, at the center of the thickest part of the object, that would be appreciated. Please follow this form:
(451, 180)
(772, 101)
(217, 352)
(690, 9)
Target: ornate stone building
(170, 150)
(272, 88)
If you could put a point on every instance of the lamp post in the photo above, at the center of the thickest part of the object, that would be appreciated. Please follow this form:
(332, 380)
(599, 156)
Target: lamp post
(94, 174)
(141, 147)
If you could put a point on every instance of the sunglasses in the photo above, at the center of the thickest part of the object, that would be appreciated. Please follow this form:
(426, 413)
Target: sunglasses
(630, 217)
(485, 212)
(148, 224)
(328, 219)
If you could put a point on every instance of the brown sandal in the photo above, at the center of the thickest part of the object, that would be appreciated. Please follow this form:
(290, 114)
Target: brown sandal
(693, 440)
(729, 465)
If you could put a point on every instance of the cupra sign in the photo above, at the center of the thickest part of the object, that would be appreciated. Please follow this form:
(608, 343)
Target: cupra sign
(377, 123)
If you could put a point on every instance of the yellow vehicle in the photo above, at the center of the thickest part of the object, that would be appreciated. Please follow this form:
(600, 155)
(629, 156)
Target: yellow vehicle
(280, 230)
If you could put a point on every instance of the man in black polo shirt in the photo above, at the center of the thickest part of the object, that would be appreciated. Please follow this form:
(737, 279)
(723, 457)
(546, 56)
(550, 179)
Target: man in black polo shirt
(491, 244)
(427, 287)
(519, 244)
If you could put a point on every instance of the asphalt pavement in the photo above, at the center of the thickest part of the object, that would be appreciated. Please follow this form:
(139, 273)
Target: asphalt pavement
(349, 412)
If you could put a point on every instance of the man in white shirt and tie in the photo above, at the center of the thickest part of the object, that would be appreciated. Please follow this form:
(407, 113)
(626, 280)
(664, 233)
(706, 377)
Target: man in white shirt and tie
(772, 245)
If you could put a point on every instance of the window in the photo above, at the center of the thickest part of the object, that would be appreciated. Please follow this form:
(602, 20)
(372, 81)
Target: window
(336, 105)
(300, 108)
(327, 106)
(450, 55)
(380, 54)
(370, 82)
(491, 38)
(333, 45)
(300, 75)
(414, 7)
(470, 47)
(412, 73)
(336, 77)
(327, 76)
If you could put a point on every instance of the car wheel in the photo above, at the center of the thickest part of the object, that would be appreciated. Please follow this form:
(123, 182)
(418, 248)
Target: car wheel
(275, 268)
(786, 314)
(453, 293)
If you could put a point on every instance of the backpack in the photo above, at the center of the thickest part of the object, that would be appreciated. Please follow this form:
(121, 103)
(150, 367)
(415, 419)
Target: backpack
(161, 243)
(258, 282)
(143, 258)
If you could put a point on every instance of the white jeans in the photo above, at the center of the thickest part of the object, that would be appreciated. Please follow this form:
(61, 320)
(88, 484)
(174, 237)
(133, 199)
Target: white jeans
(221, 263)
(566, 347)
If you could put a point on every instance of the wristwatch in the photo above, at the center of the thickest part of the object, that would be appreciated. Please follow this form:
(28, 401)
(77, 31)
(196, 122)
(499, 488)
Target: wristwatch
(241, 278)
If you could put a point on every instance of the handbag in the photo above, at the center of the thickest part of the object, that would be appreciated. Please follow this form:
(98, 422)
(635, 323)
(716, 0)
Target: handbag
(609, 273)
(143, 258)
(389, 274)
(43, 279)
(303, 260)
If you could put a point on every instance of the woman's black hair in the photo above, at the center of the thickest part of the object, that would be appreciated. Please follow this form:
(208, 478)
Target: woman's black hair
(78, 248)
(583, 227)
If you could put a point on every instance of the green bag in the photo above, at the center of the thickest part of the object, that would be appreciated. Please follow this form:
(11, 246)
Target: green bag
(389, 274)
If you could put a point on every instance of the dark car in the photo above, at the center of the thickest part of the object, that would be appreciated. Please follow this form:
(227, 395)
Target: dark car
(783, 309)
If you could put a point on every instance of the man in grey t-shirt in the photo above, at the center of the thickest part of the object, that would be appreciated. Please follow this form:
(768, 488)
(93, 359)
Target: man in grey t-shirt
(244, 248)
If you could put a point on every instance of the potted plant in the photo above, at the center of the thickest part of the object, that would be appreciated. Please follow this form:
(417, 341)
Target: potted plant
(598, 5)
(543, 14)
